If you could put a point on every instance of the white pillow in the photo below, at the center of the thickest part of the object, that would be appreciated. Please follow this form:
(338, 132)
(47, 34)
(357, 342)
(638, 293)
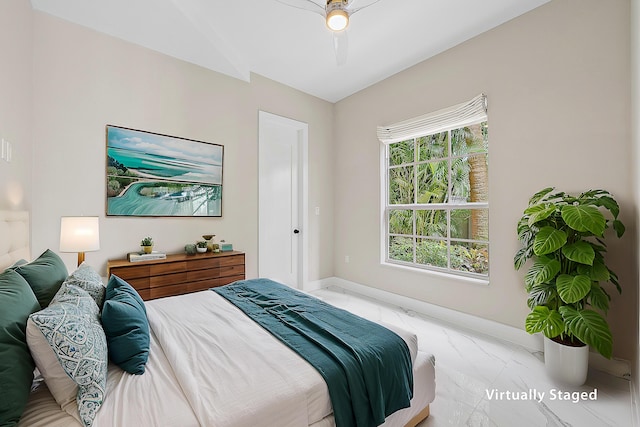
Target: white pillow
(63, 389)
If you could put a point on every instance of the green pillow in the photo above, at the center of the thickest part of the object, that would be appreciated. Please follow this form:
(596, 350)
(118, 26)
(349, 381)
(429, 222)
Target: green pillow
(19, 262)
(45, 275)
(125, 323)
(17, 302)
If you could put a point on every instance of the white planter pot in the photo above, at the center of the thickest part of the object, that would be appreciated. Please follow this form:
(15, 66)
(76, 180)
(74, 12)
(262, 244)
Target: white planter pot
(565, 364)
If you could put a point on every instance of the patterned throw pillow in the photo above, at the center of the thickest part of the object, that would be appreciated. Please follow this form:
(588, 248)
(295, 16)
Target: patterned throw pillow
(71, 325)
(88, 279)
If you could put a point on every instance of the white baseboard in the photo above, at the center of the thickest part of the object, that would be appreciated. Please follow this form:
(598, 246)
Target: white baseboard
(315, 285)
(617, 367)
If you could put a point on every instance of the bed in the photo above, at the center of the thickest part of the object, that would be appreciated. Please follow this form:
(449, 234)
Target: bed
(208, 365)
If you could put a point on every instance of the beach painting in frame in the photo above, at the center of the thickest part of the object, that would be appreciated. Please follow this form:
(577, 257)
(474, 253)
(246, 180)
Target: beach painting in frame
(149, 174)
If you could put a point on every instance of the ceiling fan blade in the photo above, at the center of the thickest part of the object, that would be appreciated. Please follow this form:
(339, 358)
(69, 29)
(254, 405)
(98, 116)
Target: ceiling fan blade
(305, 5)
(341, 47)
(355, 5)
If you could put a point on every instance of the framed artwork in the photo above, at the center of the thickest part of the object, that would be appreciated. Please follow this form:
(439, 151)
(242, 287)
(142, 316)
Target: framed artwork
(150, 174)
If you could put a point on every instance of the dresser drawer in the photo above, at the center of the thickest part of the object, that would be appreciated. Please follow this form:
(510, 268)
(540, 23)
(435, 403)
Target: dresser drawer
(167, 279)
(232, 270)
(145, 294)
(167, 267)
(130, 272)
(202, 285)
(232, 260)
(166, 291)
(193, 275)
(202, 264)
(138, 284)
(229, 279)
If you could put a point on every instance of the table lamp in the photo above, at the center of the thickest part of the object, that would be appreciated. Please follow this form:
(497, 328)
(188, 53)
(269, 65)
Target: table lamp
(79, 234)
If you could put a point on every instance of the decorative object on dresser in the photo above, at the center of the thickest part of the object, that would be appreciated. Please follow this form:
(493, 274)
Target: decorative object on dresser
(150, 174)
(201, 246)
(179, 273)
(225, 246)
(79, 234)
(143, 256)
(147, 245)
(209, 240)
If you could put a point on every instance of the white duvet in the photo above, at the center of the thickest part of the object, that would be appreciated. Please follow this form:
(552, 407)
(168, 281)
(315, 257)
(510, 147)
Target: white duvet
(211, 366)
(227, 381)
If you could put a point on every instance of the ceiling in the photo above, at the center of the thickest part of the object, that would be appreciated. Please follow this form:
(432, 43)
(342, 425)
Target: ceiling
(292, 45)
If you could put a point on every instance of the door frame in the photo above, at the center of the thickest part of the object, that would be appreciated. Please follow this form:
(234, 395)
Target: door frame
(302, 130)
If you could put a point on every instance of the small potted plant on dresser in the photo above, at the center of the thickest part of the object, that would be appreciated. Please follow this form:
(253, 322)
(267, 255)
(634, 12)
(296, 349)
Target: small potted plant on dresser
(201, 246)
(564, 237)
(147, 245)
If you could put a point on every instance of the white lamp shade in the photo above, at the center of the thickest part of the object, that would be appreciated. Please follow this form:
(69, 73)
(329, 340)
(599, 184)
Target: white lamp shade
(79, 234)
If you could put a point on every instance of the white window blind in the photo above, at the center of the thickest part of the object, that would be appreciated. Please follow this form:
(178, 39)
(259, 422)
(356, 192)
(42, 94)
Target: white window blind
(466, 113)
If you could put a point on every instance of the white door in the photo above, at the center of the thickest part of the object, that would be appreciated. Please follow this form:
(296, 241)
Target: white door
(282, 194)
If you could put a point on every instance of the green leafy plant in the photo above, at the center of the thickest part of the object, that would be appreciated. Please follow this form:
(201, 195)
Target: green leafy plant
(201, 244)
(564, 236)
(147, 241)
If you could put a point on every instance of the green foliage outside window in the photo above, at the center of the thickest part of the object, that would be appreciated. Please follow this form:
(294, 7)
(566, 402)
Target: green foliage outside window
(438, 201)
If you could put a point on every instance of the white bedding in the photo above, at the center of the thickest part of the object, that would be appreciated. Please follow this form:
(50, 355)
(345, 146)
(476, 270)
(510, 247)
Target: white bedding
(152, 399)
(210, 365)
(227, 382)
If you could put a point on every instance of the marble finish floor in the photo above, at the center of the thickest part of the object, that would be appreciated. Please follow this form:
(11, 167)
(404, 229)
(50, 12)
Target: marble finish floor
(472, 370)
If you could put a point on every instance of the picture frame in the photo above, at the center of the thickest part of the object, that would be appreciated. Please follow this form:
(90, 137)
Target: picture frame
(150, 174)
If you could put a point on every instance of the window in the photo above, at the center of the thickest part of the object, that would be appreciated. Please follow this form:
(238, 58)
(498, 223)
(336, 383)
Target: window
(436, 208)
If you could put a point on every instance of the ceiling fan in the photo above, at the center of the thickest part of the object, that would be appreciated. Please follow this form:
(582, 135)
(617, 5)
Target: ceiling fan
(336, 14)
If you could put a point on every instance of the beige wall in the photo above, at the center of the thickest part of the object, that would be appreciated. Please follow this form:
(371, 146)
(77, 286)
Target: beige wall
(16, 27)
(557, 81)
(84, 80)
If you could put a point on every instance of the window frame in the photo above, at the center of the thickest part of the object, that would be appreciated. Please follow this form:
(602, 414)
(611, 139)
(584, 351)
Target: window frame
(414, 207)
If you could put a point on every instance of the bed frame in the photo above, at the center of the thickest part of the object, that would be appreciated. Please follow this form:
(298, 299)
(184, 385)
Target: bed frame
(15, 226)
(418, 418)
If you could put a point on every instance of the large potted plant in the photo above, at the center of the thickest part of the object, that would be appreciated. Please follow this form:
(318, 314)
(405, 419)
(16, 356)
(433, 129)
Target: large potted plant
(564, 237)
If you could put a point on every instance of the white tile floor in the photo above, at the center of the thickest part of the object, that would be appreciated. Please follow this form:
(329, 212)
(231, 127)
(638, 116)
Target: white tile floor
(469, 366)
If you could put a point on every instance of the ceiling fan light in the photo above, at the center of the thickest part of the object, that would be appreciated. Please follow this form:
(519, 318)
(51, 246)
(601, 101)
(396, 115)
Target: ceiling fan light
(337, 19)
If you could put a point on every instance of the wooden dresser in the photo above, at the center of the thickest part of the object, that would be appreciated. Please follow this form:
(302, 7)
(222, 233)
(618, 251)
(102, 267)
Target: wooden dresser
(179, 273)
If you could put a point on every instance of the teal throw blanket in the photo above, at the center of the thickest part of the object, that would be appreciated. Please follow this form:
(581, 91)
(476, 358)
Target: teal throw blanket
(367, 367)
